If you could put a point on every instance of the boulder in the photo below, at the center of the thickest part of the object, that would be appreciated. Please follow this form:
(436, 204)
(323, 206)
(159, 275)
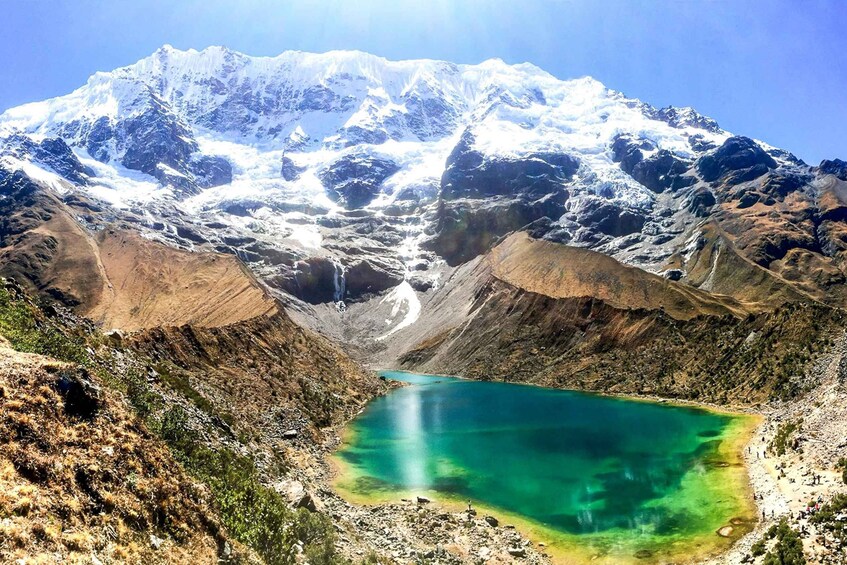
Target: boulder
(82, 398)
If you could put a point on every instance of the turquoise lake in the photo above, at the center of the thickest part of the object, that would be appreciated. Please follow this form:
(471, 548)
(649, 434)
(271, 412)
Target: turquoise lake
(596, 477)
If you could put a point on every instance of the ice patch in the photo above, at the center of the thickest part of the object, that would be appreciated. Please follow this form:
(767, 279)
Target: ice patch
(400, 295)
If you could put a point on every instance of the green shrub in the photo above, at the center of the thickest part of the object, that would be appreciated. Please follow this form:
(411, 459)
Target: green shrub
(788, 549)
(253, 514)
(825, 518)
(781, 440)
(28, 330)
(758, 548)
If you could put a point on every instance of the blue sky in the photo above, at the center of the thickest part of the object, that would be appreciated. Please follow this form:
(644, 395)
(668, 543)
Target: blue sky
(775, 70)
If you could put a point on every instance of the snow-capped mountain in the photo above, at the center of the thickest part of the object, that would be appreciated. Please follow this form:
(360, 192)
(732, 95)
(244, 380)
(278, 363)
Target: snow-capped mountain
(340, 176)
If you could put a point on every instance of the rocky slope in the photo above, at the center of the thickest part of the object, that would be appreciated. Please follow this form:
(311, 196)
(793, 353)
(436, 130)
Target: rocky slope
(526, 312)
(81, 476)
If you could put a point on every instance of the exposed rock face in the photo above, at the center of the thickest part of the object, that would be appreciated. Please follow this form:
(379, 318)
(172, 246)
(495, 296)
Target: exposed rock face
(470, 174)
(661, 171)
(484, 198)
(681, 117)
(371, 276)
(355, 180)
(154, 138)
(313, 280)
(600, 216)
(210, 171)
(835, 167)
(289, 170)
(738, 160)
(52, 153)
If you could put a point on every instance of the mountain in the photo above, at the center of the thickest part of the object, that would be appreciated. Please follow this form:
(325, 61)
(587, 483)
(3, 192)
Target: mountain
(209, 249)
(354, 187)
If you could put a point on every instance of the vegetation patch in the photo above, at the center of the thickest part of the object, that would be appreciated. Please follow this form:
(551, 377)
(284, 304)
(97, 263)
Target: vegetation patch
(254, 514)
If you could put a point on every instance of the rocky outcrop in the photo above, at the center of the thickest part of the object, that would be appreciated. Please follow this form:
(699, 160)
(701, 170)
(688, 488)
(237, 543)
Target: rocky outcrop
(210, 170)
(597, 215)
(470, 174)
(835, 167)
(313, 280)
(289, 170)
(356, 179)
(661, 171)
(371, 276)
(483, 198)
(467, 229)
(51, 152)
(739, 159)
(681, 117)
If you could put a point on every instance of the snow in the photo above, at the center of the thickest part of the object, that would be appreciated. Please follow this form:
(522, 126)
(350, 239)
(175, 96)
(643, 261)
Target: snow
(121, 187)
(40, 174)
(402, 298)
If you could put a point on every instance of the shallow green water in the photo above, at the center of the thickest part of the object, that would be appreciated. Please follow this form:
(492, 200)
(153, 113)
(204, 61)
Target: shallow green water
(618, 477)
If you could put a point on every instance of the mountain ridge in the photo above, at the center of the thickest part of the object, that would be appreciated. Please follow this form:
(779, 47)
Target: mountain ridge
(344, 177)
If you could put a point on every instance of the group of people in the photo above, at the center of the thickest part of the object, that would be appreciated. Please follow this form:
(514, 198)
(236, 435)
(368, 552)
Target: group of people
(812, 508)
(759, 455)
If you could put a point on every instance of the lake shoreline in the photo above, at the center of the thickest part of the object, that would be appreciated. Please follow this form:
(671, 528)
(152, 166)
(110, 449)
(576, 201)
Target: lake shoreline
(562, 547)
(825, 424)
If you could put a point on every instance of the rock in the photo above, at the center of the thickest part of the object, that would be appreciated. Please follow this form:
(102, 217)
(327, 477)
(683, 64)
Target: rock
(289, 170)
(156, 542)
(739, 157)
(683, 117)
(491, 521)
(309, 502)
(51, 152)
(82, 398)
(355, 179)
(468, 228)
(371, 276)
(663, 171)
(599, 215)
(158, 143)
(700, 203)
(210, 170)
(312, 280)
(835, 167)
(470, 174)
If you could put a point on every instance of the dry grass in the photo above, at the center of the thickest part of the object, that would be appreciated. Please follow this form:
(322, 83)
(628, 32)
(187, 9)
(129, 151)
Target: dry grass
(561, 271)
(152, 285)
(76, 482)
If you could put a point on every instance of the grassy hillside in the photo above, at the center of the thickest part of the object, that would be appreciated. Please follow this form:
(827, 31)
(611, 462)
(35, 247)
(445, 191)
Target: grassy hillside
(108, 450)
